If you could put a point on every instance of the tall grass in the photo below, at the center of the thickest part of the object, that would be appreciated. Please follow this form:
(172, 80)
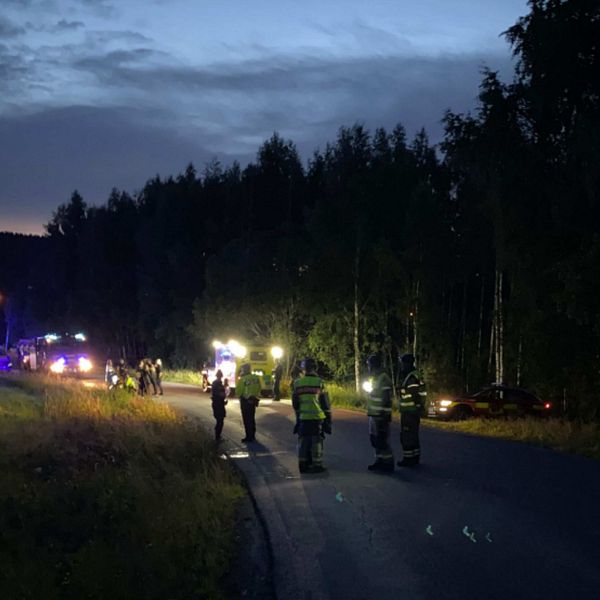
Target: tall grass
(344, 396)
(567, 436)
(182, 376)
(109, 496)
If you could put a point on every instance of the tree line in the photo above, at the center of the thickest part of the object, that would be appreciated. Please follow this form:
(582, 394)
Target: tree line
(480, 256)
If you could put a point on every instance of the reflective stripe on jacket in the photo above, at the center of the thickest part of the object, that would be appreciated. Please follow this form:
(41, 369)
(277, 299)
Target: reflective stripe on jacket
(309, 398)
(379, 403)
(248, 386)
(412, 393)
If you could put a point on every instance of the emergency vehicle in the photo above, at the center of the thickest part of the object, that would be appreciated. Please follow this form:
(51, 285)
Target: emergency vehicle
(230, 356)
(493, 401)
(65, 354)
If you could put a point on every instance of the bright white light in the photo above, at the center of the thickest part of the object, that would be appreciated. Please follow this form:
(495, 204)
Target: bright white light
(58, 366)
(445, 402)
(217, 344)
(80, 337)
(258, 372)
(236, 348)
(276, 352)
(85, 364)
(367, 386)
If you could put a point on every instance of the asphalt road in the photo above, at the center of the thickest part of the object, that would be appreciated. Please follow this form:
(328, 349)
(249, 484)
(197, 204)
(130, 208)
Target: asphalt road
(480, 518)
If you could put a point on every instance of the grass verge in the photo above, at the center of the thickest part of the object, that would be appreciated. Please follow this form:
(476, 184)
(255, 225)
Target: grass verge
(182, 376)
(567, 436)
(109, 496)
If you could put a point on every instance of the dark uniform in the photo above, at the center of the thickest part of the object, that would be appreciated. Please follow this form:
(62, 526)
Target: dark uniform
(412, 401)
(277, 376)
(313, 417)
(218, 396)
(248, 389)
(379, 411)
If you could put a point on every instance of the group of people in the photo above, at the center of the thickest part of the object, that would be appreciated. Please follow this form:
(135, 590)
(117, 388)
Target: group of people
(313, 412)
(149, 376)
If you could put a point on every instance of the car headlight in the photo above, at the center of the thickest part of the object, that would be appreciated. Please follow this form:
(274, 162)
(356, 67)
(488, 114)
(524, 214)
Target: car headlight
(85, 364)
(445, 403)
(58, 366)
(367, 386)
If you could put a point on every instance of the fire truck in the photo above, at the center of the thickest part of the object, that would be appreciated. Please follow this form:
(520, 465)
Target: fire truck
(66, 354)
(230, 356)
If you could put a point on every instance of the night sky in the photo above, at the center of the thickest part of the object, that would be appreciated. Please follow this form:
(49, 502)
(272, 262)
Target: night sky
(100, 93)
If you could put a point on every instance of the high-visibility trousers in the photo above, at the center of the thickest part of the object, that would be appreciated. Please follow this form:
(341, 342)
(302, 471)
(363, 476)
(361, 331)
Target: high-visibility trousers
(379, 434)
(310, 443)
(409, 436)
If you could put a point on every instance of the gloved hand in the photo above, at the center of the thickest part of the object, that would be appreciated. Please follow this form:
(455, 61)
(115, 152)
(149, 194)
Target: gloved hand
(327, 427)
(296, 428)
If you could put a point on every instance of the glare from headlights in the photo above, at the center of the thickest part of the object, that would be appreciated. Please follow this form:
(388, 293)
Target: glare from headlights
(445, 402)
(276, 352)
(58, 366)
(85, 364)
(367, 386)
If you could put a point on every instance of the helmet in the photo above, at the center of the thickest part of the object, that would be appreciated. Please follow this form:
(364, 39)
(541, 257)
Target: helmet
(308, 365)
(245, 369)
(408, 359)
(374, 362)
(159, 362)
(219, 374)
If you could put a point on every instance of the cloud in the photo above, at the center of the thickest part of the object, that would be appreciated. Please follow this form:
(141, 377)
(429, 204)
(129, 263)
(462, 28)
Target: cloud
(45, 156)
(8, 29)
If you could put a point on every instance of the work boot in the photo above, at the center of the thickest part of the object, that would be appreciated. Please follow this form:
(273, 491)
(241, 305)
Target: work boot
(406, 463)
(380, 466)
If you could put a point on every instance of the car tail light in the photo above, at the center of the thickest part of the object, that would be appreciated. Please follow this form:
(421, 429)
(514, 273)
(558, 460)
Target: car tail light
(547, 405)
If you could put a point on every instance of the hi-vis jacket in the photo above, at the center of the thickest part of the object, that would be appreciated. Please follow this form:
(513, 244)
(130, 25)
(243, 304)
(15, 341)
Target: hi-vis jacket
(309, 399)
(412, 393)
(248, 386)
(379, 403)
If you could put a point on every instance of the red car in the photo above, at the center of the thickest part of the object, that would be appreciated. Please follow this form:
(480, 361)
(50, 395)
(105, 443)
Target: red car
(493, 401)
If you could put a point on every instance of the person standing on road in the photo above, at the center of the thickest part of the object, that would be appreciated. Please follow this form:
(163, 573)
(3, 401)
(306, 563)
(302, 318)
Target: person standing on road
(379, 411)
(218, 396)
(158, 375)
(412, 401)
(313, 417)
(248, 389)
(143, 383)
(277, 376)
(150, 376)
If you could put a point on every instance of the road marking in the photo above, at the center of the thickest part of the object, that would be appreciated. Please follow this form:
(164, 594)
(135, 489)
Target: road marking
(488, 537)
(429, 530)
(339, 497)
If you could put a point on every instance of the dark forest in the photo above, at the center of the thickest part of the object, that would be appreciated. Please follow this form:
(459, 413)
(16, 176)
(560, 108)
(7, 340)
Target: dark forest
(480, 255)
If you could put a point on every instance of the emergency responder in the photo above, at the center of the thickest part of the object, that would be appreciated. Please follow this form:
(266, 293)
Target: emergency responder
(379, 411)
(412, 402)
(277, 376)
(313, 417)
(248, 389)
(218, 396)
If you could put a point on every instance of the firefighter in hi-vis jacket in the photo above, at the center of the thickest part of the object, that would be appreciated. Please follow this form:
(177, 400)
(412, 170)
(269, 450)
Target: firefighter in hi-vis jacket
(379, 411)
(412, 401)
(313, 417)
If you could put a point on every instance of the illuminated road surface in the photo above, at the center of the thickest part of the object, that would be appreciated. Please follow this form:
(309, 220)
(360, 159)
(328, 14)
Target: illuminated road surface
(481, 518)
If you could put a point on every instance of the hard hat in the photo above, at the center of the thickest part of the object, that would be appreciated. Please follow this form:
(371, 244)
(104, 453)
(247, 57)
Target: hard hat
(308, 365)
